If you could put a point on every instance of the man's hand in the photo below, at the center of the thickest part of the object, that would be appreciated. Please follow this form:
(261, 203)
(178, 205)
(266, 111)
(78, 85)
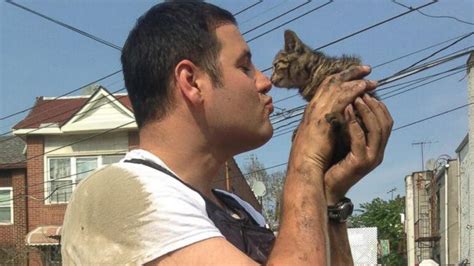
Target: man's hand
(366, 150)
(314, 141)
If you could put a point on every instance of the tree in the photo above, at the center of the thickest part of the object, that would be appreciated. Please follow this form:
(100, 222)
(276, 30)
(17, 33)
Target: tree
(270, 201)
(385, 215)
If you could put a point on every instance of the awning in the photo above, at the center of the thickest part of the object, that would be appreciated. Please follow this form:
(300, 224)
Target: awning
(44, 236)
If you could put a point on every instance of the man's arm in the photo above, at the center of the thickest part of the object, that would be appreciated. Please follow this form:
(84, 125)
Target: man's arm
(302, 238)
(366, 153)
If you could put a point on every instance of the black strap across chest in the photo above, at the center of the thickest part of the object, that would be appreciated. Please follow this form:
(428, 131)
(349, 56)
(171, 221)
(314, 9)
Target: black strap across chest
(243, 232)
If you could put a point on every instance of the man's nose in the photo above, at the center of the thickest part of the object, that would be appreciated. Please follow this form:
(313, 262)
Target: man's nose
(264, 85)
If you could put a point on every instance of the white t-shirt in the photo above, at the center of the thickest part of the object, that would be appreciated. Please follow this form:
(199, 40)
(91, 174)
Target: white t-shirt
(129, 213)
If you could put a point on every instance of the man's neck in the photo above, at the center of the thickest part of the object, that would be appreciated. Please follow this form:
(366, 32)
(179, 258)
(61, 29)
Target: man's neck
(186, 154)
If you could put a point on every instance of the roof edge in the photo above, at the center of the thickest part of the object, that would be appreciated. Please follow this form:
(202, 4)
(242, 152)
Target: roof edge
(463, 143)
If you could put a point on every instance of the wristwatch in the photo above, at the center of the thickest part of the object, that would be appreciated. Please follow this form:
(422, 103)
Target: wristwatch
(340, 212)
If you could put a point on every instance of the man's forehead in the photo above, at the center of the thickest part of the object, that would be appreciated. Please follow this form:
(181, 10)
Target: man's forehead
(229, 36)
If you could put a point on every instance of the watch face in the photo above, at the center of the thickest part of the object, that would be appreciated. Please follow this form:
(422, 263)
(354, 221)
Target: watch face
(341, 211)
(346, 211)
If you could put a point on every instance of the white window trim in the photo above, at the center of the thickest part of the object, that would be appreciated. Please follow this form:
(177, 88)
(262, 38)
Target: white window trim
(73, 175)
(11, 204)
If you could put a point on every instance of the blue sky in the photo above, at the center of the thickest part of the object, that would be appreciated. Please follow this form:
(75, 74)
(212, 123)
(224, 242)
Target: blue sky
(39, 58)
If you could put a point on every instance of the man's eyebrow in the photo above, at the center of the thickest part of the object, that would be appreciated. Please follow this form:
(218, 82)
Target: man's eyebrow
(245, 55)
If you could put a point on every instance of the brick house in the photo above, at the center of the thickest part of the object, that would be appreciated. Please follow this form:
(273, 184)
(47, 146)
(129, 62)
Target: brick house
(66, 139)
(12, 212)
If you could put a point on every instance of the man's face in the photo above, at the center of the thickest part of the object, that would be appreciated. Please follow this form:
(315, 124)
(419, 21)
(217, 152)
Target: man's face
(240, 109)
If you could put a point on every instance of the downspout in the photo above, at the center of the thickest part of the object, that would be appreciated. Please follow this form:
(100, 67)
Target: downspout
(446, 233)
(458, 174)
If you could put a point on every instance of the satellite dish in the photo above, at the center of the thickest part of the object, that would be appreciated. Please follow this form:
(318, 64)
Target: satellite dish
(258, 187)
(430, 164)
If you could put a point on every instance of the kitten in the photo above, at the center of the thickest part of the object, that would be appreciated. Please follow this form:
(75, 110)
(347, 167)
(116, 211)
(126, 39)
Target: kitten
(298, 66)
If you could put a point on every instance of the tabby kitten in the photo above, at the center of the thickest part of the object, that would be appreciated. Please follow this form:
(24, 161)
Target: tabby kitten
(298, 66)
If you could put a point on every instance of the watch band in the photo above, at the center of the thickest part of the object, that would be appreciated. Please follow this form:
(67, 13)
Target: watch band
(341, 211)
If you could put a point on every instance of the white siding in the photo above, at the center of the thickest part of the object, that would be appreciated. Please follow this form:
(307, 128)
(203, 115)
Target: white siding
(111, 143)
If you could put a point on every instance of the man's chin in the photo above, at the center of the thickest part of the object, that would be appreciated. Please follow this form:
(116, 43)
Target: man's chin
(263, 137)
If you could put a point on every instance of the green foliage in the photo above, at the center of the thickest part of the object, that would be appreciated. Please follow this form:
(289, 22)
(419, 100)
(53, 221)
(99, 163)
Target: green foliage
(385, 215)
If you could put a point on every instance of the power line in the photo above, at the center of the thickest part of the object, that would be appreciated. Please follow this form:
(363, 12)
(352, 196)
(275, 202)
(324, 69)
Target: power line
(375, 25)
(89, 171)
(459, 69)
(75, 142)
(367, 28)
(436, 52)
(416, 70)
(247, 8)
(403, 126)
(60, 114)
(393, 60)
(418, 51)
(433, 116)
(289, 21)
(263, 12)
(61, 178)
(420, 68)
(70, 144)
(276, 17)
(11, 2)
(421, 85)
(77, 30)
(67, 93)
(433, 16)
(83, 33)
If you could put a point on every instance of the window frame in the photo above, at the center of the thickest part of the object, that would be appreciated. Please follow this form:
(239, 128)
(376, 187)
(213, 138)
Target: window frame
(12, 218)
(73, 173)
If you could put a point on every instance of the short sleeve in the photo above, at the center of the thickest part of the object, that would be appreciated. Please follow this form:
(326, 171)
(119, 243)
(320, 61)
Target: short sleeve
(132, 215)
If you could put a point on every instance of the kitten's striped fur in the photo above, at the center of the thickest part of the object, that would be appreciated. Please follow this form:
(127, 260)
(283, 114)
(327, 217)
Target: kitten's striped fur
(298, 66)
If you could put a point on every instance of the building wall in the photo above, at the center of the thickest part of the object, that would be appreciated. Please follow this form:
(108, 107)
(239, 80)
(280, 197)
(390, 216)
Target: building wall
(449, 213)
(409, 220)
(453, 213)
(12, 237)
(237, 182)
(422, 215)
(464, 195)
(7, 236)
(466, 182)
(470, 159)
(39, 213)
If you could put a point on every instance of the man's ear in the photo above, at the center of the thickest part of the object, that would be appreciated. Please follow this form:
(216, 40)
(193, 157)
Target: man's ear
(186, 74)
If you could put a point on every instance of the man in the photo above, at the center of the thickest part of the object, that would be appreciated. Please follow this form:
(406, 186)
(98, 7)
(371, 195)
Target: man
(198, 101)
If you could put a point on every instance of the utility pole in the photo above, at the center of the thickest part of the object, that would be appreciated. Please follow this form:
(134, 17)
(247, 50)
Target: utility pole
(391, 191)
(422, 144)
(227, 178)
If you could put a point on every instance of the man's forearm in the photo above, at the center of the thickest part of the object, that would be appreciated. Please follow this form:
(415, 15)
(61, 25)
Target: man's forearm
(302, 238)
(339, 244)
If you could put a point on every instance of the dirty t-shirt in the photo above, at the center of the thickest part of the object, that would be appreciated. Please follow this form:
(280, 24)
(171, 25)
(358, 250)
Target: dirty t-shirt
(129, 213)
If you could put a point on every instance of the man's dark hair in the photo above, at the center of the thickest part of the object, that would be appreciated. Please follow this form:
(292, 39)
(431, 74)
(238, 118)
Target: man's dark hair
(168, 33)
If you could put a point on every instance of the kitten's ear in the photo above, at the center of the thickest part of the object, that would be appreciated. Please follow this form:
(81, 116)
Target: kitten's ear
(292, 42)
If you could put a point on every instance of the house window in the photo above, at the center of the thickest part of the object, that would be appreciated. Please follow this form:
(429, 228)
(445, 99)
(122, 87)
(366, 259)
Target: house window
(66, 172)
(6, 205)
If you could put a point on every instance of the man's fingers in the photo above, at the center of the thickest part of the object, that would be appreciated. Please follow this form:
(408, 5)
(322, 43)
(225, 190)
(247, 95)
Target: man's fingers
(358, 142)
(351, 90)
(352, 73)
(383, 116)
(374, 134)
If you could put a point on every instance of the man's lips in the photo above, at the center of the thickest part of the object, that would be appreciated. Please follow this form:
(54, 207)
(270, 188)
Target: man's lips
(269, 104)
